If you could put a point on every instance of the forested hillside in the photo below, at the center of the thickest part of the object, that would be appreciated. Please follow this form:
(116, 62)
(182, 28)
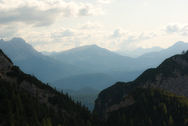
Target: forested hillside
(26, 101)
(151, 107)
(137, 104)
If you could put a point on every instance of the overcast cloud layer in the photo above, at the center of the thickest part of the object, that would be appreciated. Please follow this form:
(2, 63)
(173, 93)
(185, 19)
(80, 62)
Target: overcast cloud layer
(56, 25)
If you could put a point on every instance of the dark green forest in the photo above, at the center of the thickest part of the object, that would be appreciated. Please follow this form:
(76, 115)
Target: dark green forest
(152, 107)
(19, 108)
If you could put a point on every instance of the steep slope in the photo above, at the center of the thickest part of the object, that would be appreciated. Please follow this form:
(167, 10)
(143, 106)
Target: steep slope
(171, 75)
(30, 61)
(24, 100)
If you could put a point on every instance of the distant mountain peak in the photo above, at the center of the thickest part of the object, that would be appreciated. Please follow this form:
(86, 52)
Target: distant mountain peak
(179, 43)
(1, 40)
(18, 49)
(17, 39)
(82, 48)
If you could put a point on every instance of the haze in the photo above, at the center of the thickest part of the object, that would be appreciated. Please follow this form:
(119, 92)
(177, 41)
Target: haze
(57, 25)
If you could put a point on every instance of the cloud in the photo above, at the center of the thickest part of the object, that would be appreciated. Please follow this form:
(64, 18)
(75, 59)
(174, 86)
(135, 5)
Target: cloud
(184, 31)
(7, 30)
(181, 29)
(104, 1)
(43, 13)
(127, 39)
(147, 35)
(63, 32)
(118, 33)
(171, 28)
(89, 25)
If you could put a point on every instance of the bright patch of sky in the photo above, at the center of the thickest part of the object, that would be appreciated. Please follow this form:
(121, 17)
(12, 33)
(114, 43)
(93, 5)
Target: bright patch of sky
(57, 25)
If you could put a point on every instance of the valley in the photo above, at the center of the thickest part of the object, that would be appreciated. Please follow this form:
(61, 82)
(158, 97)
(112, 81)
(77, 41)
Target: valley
(157, 95)
(87, 66)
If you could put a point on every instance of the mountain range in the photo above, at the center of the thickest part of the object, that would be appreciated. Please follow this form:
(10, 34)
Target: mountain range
(157, 97)
(119, 67)
(72, 69)
(82, 61)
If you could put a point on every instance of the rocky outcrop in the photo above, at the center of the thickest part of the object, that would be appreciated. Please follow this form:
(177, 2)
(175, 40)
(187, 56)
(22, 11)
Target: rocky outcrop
(175, 83)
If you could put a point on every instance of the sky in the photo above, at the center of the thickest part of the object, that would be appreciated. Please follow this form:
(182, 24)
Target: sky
(58, 25)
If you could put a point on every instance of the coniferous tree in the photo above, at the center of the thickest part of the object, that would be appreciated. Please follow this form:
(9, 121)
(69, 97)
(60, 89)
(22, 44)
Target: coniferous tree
(131, 122)
(43, 122)
(124, 121)
(88, 123)
(164, 124)
(171, 122)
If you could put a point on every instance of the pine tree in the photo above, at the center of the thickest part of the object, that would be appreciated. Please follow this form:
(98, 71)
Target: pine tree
(149, 122)
(119, 119)
(124, 121)
(164, 124)
(48, 122)
(43, 122)
(88, 123)
(171, 122)
(131, 122)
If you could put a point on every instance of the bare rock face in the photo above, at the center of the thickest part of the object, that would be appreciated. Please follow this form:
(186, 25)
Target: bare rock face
(176, 83)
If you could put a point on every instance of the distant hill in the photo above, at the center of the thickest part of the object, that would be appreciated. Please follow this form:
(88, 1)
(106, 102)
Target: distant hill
(25, 100)
(138, 52)
(97, 81)
(86, 95)
(92, 56)
(171, 75)
(84, 91)
(48, 53)
(155, 58)
(102, 60)
(177, 48)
